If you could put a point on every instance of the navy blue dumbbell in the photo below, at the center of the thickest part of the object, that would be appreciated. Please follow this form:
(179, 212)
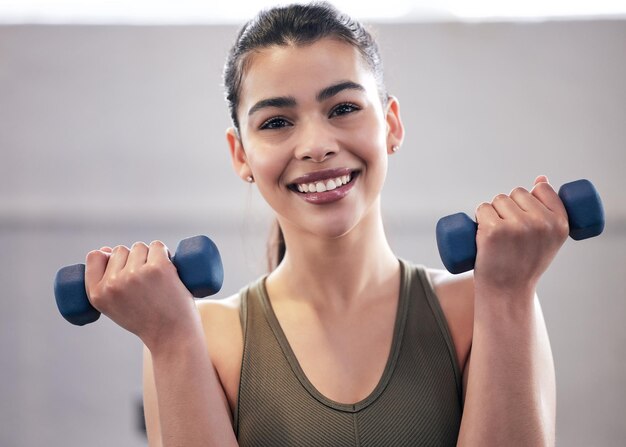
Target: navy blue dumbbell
(197, 260)
(456, 234)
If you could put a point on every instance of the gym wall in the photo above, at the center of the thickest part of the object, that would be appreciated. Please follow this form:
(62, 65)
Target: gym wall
(111, 134)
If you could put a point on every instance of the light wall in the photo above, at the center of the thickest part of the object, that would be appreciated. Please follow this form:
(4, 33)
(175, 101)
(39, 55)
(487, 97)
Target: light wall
(114, 134)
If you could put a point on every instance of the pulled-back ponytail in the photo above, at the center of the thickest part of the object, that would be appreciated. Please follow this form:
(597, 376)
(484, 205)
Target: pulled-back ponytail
(275, 246)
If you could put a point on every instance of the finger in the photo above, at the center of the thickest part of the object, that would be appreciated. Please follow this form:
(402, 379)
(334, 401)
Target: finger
(541, 179)
(486, 214)
(137, 256)
(526, 201)
(117, 261)
(506, 207)
(544, 192)
(106, 249)
(95, 267)
(157, 253)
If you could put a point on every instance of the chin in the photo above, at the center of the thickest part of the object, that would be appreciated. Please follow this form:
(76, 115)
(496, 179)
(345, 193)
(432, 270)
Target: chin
(334, 228)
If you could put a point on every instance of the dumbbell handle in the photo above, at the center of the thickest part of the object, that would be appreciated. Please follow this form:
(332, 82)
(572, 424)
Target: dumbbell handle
(197, 260)
(456, 234)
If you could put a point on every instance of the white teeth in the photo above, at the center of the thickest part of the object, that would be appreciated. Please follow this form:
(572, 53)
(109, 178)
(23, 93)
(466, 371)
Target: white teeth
(327, 185)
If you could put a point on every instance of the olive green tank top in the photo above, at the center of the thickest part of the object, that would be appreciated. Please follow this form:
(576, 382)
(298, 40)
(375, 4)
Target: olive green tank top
(417, 401)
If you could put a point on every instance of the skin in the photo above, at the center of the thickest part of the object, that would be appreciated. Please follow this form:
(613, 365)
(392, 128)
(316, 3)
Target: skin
(333, 286)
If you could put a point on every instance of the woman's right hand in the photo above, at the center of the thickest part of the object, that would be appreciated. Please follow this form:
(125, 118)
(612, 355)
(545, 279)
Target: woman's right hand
(140, 290)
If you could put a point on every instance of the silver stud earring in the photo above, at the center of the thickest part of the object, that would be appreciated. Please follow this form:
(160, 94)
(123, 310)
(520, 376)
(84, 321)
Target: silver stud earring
(395, 148)
(250, 179)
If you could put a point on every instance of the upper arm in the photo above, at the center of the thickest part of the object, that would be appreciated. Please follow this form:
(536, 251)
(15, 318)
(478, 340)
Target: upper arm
(466, 370)
(224, 338)
(150, 405)
(456, 297)
(222, 329)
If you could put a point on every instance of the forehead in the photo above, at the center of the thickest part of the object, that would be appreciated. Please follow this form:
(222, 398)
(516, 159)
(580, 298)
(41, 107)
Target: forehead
(299, 69)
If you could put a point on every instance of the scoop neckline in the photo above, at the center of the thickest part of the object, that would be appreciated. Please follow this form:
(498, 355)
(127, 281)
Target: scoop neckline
(392, 358)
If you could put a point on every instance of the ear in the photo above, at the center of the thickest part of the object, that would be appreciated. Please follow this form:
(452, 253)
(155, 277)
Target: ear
(237, 154)
(395, 128)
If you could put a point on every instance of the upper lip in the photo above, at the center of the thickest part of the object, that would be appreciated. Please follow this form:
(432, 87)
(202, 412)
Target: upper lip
(326, 174)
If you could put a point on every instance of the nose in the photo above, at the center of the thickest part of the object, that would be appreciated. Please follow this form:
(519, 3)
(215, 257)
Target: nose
(316, 143)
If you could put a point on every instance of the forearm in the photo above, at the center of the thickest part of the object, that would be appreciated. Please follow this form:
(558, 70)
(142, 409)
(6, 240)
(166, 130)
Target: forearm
(511, 385)
(191, 404)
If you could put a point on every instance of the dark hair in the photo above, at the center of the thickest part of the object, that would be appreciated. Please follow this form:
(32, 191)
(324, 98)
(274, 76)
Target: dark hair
(297, 24)
(275, 246)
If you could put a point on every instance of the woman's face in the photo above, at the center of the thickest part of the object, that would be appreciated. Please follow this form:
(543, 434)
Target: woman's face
(314, 135)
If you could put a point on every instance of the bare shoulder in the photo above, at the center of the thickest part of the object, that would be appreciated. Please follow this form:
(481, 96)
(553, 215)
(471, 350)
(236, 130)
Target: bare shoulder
(210, 307)
(224, 338)
(220, 319)
(456, 297)
(459, 286)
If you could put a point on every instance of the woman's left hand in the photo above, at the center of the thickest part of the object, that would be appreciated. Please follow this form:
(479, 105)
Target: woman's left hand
(518, 237)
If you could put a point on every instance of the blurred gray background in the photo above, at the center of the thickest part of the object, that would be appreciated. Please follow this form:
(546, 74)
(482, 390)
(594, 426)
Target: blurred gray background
(111, 134)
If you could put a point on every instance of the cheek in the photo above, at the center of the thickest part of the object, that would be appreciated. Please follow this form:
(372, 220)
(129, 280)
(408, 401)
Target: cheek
(376, 143)
(267, 167)
(372, 138)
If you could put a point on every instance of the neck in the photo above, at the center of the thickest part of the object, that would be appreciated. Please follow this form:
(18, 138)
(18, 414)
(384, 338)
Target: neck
(341, 270)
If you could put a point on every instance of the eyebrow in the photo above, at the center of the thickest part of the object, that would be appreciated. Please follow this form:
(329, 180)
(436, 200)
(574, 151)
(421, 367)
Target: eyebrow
(322, 95)
(280, 101)
(331, 91)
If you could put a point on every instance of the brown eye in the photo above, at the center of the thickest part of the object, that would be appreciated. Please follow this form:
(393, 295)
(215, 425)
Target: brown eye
(344, 109)
(275, 123)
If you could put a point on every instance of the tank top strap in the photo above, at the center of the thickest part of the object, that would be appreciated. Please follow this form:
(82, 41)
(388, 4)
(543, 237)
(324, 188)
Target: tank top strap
(249, 297)
(421, 280)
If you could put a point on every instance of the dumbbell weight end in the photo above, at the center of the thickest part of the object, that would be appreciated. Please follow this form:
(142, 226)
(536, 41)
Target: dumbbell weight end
(585, 212)
(456, 240)
(71, 296)
(199, 266)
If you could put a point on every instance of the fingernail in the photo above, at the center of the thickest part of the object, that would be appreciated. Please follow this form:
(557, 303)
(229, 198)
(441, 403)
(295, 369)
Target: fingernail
(542, 179)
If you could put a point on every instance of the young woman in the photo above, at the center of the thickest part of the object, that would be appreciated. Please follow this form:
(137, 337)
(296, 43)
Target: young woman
(342, 343)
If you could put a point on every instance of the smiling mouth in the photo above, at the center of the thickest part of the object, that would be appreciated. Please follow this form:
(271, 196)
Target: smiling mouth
(324, 185)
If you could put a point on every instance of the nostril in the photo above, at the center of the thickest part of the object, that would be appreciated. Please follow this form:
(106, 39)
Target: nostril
(327, 155)
(316, 154)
